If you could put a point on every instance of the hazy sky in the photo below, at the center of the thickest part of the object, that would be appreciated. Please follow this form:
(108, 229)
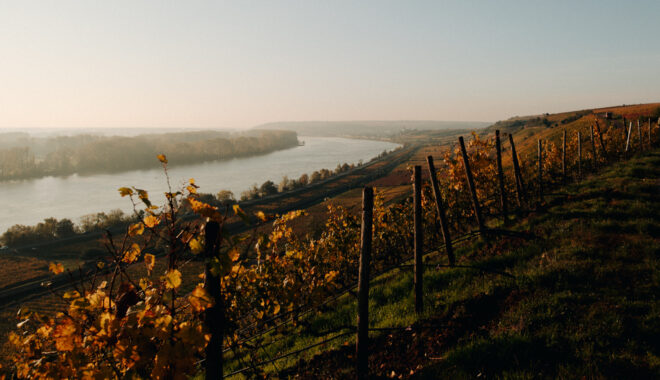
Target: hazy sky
(241, 63)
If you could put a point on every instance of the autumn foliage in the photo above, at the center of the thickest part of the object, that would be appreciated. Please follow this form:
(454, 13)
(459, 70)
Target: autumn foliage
(149, 324)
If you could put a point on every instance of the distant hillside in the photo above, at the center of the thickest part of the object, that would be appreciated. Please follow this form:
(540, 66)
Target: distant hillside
(368, 128)
(568, 119)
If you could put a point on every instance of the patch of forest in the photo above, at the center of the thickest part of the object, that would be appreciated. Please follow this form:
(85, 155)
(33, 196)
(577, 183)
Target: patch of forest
(24, 156)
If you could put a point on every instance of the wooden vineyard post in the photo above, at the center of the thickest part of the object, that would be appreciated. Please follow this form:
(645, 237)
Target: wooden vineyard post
(215, 315)
(639, 134)
(579, 155)
(520, 188)
(563, 156)
(444, 225)
(500, 176)
(602, 143)
(540, 154)
(628, 138)
(362, 341)
(594, 159)
(419, 241)
(473, 190)
(649, 133)
(624, 129)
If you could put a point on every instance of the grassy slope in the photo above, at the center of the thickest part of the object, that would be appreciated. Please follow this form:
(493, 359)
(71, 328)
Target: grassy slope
(583, 303)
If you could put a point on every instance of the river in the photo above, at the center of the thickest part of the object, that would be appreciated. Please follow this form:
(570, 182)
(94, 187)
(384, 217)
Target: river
(30, 201)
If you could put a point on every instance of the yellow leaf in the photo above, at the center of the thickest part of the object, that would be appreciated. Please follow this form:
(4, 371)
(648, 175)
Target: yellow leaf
(71, 294)
(234, 254)
(276, 308)
(331, 275)
(136, 229)
(239, 211)
(132, 254)
(163, 322)
(151, 221)
(124, 191)
(64, 335)
(150, 261)
(104, 320)
(262, 216)
(162, 158)
(56, 268)
(203, 209)
(200, 299)
(172, 279)
(196, 246)
(144, 283)
(144, 196)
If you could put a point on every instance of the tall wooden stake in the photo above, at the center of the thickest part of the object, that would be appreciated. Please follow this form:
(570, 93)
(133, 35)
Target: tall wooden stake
(563, 156)
(624, 129)
(649, 133)
(444, 225)
(540, 154)
(579, 155)
(628, 138)
(362, 341)
(594, 158)
(473, 189)
(520, 188)
(500, 175)
(419, 241)
(602, 142)
(215, 315)
(639, 134)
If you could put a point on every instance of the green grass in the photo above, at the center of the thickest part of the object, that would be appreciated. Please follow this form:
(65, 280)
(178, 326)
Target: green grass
(583, 302)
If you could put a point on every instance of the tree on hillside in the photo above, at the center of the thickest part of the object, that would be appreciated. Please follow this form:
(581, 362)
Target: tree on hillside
(65, 228)
(267, 188)
(225, 197)
(303, 180)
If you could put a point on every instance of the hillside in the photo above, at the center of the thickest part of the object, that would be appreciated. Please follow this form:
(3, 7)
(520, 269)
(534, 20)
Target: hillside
(583, 303)
(568, 119)
(369, 128)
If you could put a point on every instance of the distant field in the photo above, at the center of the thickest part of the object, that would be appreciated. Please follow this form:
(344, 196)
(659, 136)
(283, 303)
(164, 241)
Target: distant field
(16, 269)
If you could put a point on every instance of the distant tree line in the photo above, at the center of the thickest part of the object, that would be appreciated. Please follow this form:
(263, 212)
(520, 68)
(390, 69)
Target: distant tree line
(52, 229)
(64, 155)
(286, 184)
(270, 188)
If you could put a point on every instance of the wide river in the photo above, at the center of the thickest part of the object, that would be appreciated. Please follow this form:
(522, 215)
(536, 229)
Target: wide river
(30, 201)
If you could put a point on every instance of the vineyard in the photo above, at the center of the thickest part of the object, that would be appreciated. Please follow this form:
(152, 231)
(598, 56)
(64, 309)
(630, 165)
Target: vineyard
(418, 273)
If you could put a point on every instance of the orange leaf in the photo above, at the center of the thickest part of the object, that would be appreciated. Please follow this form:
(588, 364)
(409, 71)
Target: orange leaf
(56, 268)
(151, 221)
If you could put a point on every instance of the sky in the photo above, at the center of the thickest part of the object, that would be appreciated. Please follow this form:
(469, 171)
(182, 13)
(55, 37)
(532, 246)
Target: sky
(221, 64)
